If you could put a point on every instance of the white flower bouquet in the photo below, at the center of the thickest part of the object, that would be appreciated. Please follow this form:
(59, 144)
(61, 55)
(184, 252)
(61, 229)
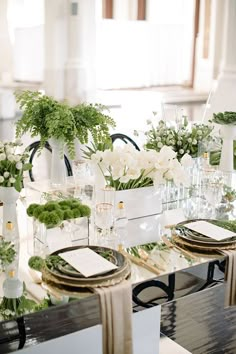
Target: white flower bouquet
(184, 139)
(12, 165)
(128, 168)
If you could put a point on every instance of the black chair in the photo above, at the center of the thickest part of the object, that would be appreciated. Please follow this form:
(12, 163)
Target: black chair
(168, 287)
(33, 149)
(125, 138)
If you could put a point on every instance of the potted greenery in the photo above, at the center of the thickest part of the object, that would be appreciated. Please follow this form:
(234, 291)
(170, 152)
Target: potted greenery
(68, 218)
(61, 124)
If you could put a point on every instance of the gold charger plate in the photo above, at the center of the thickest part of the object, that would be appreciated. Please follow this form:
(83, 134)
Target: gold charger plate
(196, 238)
(106, 279)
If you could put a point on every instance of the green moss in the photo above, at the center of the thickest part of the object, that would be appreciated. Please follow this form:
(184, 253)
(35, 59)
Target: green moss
(54, 212)
(85, 210)
(37, 211)
(30, 209)
(68, 214)
(76, 213)
(51, 206)
(36, 262)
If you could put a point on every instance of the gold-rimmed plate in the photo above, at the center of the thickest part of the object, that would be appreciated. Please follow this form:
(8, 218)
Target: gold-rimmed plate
(192, 236)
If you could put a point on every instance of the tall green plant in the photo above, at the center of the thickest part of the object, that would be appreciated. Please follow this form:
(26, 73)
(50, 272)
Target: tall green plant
(45, 117)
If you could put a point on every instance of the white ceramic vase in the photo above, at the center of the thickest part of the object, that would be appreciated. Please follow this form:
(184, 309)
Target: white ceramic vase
(228, 134)
(9, 196)
(58, 168)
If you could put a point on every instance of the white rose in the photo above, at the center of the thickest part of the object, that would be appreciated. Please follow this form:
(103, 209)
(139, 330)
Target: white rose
(11, 158)
(12, 180)
(19, 165)
(1, 179)
(2, 157)
(6, 174)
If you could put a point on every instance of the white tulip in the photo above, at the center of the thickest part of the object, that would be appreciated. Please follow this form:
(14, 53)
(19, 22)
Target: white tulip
(1, 179)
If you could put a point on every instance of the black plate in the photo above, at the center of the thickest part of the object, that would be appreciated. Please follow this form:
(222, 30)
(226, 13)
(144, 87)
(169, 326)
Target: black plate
(197, 238)
(65, 271)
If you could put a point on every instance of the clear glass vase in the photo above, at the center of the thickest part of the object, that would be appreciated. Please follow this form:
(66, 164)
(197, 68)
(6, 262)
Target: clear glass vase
(58, 169)
(69, 233)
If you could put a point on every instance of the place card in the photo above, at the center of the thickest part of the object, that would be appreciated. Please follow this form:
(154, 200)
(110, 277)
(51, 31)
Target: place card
(210, 230)
(87, 262)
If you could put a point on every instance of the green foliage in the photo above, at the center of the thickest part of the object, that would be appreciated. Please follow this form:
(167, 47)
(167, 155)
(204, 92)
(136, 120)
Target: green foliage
(226, 118)
(182, 140)
(36, 263)
(45, 117)
(93, 148)
(226, 224)
(12, 308)
(54, 212)
(7, 253)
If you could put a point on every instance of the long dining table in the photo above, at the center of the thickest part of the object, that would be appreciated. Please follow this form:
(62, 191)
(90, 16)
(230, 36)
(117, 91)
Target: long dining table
(177, 273)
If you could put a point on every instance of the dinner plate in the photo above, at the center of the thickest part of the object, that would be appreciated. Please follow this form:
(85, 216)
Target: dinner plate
(72, 277)
(197, 238)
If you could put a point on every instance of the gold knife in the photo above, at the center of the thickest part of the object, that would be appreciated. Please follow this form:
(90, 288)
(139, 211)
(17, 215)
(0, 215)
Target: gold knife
(140, 262)
(169, 244)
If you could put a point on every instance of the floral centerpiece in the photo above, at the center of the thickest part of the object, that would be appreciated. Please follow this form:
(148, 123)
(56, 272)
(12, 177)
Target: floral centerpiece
(128, 168)
(184, 139)
(129, 171)
(12, 165)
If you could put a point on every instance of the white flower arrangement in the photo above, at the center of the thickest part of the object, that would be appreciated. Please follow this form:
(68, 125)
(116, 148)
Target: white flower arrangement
(12, 164)
(126, 167)
(184, 139)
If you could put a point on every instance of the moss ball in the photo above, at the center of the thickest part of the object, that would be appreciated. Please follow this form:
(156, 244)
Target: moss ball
(76, 213)
(38, 211)
(68, 214)
(43, 216)
(51, 206)
(60, 213)
(30, 209)
(85, 210)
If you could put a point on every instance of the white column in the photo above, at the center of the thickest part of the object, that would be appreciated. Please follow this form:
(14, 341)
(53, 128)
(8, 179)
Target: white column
(5, 44)
(80, 68)
(55, 38)
(223, 98)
